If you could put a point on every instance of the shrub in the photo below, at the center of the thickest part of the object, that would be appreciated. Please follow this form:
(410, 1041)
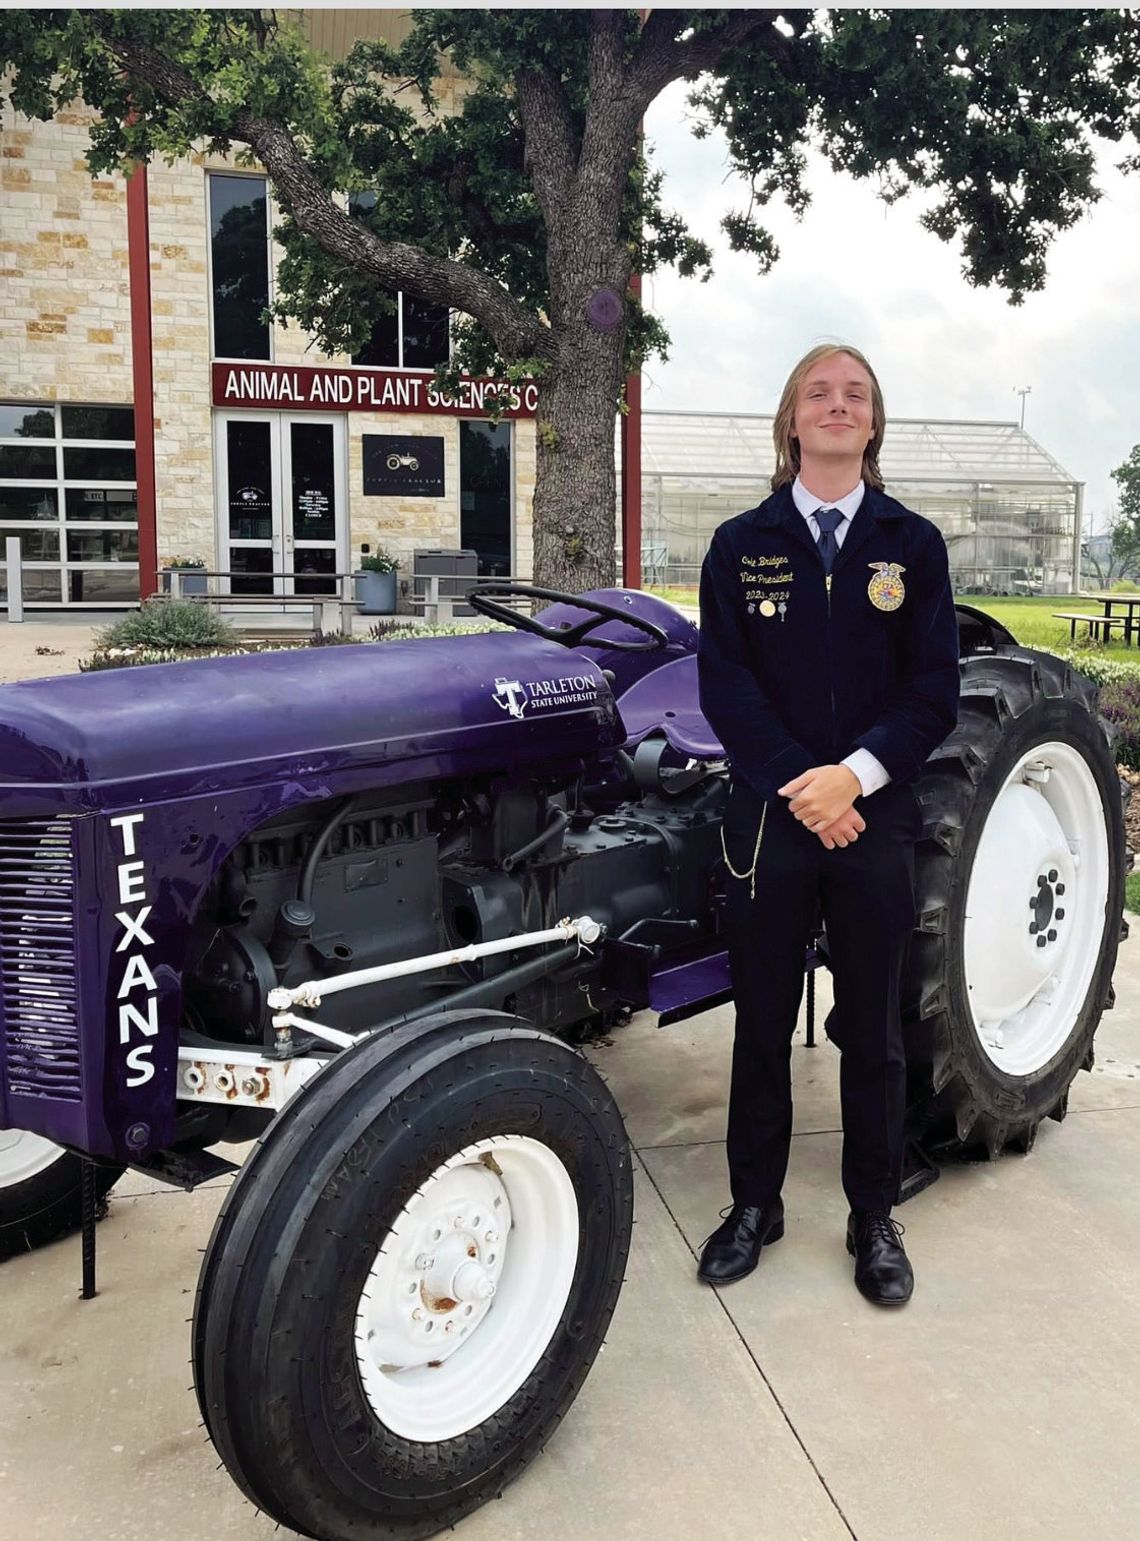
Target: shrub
(1120, 704)
(163, 623)
(379, 561)
(114, 652)
(1096, 666)
(127, 657)
(331, 639)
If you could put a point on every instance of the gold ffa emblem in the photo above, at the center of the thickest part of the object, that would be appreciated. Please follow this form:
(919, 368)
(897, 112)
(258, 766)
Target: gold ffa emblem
(886, 589)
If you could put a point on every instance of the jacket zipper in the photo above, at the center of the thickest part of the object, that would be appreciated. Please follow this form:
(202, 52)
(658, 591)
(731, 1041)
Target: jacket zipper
(830, 664)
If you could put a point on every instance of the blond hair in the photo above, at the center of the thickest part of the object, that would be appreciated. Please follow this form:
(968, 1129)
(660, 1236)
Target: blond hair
(788, 446)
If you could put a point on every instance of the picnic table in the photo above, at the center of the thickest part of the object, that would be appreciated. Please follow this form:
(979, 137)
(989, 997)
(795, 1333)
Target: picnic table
(1105, 623)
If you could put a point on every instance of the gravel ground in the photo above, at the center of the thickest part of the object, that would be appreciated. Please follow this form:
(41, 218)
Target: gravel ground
(35, 649)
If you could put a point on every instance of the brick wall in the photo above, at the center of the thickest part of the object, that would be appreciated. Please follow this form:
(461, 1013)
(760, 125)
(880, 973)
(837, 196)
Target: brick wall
(65, 334)
(64, 298)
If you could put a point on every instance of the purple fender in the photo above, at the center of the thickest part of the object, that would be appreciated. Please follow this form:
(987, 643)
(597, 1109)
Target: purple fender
(122, 792)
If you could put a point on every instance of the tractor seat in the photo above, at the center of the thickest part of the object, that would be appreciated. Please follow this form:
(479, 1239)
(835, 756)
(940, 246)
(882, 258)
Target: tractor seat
(665, 701)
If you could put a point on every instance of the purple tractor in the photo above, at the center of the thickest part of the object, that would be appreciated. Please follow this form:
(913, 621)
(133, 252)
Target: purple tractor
(358, 904)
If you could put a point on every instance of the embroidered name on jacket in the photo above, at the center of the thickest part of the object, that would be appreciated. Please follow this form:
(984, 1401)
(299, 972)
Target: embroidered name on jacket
(764, 561)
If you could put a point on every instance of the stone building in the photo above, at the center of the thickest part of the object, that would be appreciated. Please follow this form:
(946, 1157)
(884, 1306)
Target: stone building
(267, 461)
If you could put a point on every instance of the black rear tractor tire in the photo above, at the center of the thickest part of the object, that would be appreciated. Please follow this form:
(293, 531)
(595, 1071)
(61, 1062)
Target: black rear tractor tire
(351, 1366)
(40, 1192)
(1027, 780)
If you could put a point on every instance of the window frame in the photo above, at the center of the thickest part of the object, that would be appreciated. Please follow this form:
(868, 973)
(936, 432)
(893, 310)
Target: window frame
(61, 486)
(401, 367)
(271, 267)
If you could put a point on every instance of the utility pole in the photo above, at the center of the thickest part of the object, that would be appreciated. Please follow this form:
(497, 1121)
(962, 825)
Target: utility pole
(1023, 391)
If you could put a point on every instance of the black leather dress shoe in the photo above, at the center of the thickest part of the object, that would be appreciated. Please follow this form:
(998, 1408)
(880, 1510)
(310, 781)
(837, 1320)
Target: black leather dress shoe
(733, 1249)
(882, 1269)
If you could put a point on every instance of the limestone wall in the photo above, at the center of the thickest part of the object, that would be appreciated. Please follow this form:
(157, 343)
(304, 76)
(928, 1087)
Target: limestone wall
(64, 297)
(65, 334)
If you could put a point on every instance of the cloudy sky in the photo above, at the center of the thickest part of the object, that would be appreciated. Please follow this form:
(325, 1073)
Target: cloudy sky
(853, 268)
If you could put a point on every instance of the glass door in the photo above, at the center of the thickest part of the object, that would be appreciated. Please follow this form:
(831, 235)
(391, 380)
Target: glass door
(313, 503)
(281, 498)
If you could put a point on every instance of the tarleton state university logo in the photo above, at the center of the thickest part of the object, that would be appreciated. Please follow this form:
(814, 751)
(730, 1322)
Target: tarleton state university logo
(886, 589)
(510, 695)
(514, 696)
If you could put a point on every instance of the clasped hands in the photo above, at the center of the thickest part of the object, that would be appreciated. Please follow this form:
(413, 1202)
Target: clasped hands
(822, 800)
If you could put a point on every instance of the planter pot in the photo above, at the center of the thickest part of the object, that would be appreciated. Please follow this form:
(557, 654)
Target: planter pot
(375, 593)
(193, 581)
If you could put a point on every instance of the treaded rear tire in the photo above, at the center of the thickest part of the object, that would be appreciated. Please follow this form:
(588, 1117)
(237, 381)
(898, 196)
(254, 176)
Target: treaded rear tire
(960, 1101)
(275, 1370)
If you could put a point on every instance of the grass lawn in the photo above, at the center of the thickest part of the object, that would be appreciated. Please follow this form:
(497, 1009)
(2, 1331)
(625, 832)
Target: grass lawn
(1132, 892)
(1030, 620)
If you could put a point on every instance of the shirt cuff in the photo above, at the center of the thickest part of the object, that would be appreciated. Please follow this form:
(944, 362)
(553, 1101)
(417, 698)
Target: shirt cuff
(871, 772)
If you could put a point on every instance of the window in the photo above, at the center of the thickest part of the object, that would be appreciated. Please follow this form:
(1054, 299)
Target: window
(239, 262)
(67, 492)
(485, 494)
(415, 335)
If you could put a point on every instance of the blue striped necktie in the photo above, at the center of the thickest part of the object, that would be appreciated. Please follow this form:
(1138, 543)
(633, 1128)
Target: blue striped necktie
(829, 520)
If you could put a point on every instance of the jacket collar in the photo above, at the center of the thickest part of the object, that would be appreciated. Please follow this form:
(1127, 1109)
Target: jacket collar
(780, 509)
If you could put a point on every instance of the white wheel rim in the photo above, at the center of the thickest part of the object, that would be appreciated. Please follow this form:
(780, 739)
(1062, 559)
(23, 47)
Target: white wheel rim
(466, 1292)
(1041, 871)
(24, 1155)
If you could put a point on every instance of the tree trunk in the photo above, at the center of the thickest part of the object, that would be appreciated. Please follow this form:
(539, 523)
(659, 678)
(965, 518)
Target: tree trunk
(575, 497)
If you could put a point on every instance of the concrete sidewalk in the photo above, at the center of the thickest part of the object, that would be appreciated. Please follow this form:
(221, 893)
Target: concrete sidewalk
(1002, 1402)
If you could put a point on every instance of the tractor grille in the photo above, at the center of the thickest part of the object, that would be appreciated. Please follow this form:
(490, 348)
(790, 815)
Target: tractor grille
(39, 1009)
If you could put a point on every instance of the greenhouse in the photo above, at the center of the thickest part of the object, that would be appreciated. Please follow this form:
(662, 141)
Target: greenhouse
(1011, 515)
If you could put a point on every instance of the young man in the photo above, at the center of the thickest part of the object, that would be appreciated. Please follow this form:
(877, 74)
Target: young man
(829, 670)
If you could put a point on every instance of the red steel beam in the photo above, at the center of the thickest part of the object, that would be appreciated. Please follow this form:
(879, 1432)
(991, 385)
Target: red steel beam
(631, 472)
(142, 368)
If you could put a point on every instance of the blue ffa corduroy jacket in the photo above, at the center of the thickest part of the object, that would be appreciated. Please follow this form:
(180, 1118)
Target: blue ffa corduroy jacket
(797, 671)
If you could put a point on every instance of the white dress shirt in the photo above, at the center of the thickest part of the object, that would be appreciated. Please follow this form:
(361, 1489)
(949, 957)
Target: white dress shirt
(870, 772)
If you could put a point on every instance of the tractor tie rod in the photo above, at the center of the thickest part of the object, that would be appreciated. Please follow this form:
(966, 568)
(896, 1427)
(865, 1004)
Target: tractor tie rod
(310, 994)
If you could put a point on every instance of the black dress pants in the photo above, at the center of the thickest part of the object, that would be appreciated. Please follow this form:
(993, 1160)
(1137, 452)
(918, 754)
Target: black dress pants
(866, 891)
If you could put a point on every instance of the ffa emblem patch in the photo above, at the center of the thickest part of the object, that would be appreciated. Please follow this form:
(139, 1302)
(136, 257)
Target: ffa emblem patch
(885, 590)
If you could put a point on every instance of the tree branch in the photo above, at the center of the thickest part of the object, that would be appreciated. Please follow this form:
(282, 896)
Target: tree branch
(485, 227)
(517, 332)
(551, 140)
(613, 119)
(660, 58)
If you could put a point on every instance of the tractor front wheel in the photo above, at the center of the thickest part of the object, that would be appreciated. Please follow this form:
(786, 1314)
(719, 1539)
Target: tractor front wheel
(411, 1277)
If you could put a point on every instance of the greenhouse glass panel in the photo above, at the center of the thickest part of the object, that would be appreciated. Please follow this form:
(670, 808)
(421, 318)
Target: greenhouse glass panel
(1008, 511)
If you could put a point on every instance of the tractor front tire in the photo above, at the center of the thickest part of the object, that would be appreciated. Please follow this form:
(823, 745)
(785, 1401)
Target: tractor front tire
(41, 1191)
(1020, 891)
(411, 1277)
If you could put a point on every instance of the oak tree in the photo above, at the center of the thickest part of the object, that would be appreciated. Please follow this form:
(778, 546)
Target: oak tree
(529, 209)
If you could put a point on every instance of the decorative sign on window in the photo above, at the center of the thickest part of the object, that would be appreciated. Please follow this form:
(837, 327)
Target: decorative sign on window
(399, 465)
(313, 504)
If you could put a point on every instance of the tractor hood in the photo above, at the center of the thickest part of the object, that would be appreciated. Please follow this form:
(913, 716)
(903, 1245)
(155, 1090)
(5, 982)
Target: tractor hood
(429, 707)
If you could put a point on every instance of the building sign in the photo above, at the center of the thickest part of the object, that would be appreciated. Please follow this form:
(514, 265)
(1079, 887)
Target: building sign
(276, 387)
(399, 465)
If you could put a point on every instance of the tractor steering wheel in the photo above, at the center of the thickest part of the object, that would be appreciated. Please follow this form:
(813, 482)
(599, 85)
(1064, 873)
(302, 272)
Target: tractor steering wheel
(570, 636)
